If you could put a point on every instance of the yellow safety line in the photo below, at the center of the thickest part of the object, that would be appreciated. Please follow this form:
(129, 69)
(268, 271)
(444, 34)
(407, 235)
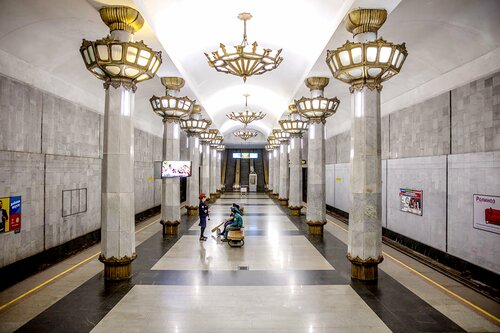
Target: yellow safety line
(435, 283)
(3, 306)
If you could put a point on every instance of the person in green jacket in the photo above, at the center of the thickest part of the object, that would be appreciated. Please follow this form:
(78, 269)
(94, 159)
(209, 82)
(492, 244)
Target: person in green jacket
(237, 222)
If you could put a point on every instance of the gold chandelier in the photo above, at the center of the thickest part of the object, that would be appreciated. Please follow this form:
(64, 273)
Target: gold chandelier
(194, 124)
(246, 116)
(369, 63)
(209, 135)
(244, 60)
(217, 141)
(294, 125)
(245, 134)
(170, 106)
(117, 62)
(280, 135)
(272, 141)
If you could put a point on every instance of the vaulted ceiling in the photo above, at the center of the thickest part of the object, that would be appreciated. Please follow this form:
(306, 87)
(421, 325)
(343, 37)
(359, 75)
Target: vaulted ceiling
(449, 43)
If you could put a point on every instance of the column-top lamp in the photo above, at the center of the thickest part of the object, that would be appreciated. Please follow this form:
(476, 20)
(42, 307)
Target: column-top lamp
(317, 108)
(171, 107)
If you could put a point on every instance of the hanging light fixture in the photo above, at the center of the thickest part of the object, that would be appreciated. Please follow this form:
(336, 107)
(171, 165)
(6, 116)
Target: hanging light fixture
(317, 108)
(246, 116)
(369, 63)
(281, 135)
(244, 60)
(245, 134)
(209, 135)
(221, 148)
(170, 106)
(194, 124)
(294, 125)
(269, 148)
(215, 142)
(273, 141)
(118, 62)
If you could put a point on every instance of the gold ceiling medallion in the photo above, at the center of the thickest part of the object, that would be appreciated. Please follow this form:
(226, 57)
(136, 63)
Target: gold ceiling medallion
(246, 116)
(370, 63)
(245, 134)
(170, 106)
(119, 62)
(244, 60)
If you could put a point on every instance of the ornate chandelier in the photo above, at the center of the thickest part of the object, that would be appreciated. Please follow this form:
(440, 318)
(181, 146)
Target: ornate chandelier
(244, 60)
(208, 135)
(170, 106)
(194, 124)
(245, 134)
(369, 63)
(246, 116)
(117, 62)
(280, 135)
(319, 107)
(294, 125)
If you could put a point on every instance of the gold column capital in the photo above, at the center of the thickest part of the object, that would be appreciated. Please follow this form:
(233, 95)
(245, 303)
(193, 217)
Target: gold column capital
(365, 20)
(122, 18)
(172, 82)
(317, 82)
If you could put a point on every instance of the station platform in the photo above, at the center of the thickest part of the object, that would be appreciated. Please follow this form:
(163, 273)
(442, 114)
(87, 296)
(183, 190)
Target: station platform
(281, 280)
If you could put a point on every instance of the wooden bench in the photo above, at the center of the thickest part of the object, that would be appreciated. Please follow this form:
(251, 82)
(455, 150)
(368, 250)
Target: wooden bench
(236, 238)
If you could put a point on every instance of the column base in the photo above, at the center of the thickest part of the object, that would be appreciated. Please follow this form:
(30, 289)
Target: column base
(283, 202)
(219, 193)
(213, 197)
(192, 210)
(276, 195)
(364, 269)
(315, 227)
(295, 210)
(169, 227)
(116, 269)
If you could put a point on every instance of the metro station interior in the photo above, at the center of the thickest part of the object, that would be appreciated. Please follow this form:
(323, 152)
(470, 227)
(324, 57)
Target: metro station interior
(249, 166)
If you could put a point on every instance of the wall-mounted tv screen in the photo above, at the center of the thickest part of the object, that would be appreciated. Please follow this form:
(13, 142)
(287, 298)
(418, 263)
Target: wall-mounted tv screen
(245, 155)
(171, 169)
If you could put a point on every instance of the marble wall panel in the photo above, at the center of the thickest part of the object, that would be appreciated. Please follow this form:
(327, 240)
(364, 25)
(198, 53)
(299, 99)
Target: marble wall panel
(157, 148)
(343, 141)
(331, 150)
(143, 146)
(469, 174)
(143, 186)
(20, 116)
(66, 173)
(330, 184)
(421, 173)
(385, 137)
(69, 129)
(23, 174)
(476, 116)
(342, 186)
(384, 193)
(422, 129)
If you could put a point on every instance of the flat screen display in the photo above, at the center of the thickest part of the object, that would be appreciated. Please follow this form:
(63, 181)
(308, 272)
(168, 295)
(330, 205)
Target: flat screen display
(170, 169)
(245, 155)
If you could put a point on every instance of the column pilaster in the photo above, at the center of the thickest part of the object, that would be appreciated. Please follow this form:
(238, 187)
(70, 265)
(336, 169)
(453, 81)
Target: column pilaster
(276, 182)
(295, 193)
(284, 175)
(205, 169)
(170, 195)
(193, 190)
(270, 185)
(213, 174)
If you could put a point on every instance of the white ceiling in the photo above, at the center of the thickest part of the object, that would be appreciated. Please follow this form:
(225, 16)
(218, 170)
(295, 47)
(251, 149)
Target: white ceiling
(450, 42)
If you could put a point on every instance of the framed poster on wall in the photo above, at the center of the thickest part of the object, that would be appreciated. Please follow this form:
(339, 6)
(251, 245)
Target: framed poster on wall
(486, 212)
(10, 214)
(411, 201)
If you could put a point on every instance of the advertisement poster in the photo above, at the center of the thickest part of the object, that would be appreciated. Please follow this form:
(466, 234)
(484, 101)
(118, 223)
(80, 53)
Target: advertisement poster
(487, 212)
(411, 201)
(10, 212)
(171, 169)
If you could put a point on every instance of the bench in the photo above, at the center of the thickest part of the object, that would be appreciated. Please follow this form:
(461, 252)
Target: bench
(236, 238)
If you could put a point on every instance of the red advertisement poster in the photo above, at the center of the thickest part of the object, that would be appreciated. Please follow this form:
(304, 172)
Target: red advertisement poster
(487, 212)
(411, 201)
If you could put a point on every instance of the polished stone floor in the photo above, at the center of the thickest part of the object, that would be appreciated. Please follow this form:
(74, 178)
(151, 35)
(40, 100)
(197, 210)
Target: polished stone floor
(281, 280)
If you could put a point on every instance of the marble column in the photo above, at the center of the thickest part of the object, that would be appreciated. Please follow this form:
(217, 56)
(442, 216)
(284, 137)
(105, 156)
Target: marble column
(170, 187)
(276, 173)
(218, 172)
(213, 174)
(295, 194)
(193, 182)
(117, 182)
(284, 174)
(205, 169)
(270, 174)
(365, 220)
(316, 191)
